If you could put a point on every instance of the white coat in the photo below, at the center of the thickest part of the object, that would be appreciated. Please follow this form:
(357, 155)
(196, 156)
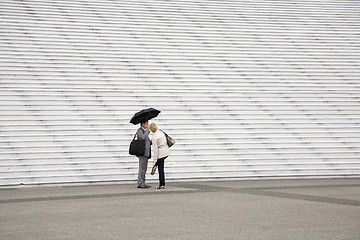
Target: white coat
(160, 147)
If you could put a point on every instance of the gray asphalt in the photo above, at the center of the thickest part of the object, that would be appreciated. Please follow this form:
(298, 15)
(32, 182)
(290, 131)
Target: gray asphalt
(282, 209)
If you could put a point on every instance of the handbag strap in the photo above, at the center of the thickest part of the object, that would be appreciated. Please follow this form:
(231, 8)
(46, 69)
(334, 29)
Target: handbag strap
(164, 133)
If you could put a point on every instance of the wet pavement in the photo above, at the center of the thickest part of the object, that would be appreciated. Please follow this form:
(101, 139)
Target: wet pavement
(273, 209)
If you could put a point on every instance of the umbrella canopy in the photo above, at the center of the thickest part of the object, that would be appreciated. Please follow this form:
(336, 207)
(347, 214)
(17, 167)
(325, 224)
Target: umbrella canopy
(144, 115)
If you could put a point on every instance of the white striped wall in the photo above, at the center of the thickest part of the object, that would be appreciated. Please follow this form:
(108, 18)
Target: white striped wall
(249, 89)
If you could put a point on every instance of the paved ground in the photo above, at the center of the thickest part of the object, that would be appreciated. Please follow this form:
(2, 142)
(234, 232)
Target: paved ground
(286, 209)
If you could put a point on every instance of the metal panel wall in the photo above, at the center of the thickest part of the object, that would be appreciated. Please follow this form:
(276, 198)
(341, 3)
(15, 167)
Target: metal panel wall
(249, 89)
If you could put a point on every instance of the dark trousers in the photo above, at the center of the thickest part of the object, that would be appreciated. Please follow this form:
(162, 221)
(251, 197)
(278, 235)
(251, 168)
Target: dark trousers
(160, 164)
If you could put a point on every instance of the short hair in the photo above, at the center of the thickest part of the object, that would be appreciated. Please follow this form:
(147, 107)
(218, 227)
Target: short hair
(143, 122)
(153, 127)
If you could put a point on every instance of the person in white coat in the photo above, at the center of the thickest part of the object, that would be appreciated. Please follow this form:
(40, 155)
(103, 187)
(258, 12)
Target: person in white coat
(160, 152)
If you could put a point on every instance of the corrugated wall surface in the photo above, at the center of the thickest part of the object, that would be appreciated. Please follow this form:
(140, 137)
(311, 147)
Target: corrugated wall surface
(249, 89)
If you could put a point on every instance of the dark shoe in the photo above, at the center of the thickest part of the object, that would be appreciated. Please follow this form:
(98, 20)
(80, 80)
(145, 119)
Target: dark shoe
(144, 186)
(161, 187)
(153, 170)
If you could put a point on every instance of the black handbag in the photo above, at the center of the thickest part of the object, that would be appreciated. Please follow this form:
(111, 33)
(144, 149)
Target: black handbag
(137, 147)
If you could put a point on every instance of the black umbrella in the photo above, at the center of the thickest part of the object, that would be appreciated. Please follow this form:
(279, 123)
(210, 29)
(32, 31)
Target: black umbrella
(144, 115)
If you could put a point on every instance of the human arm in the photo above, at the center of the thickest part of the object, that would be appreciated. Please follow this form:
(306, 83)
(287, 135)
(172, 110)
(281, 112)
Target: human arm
(155, 148)
(141, 134)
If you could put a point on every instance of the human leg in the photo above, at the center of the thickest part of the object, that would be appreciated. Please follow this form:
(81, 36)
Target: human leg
(160, 163)
(143, 162)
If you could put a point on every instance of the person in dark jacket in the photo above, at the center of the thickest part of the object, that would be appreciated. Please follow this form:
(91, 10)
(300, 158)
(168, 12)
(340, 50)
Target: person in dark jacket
(143, 134)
